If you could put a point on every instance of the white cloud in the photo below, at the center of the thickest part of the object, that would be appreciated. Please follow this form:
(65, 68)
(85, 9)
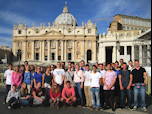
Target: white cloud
(14, 18)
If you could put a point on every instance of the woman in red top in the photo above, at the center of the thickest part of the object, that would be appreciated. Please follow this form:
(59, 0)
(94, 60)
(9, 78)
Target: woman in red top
(55, 95)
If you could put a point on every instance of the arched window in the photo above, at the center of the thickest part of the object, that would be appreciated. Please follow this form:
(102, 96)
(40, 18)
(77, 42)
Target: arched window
(19, 32)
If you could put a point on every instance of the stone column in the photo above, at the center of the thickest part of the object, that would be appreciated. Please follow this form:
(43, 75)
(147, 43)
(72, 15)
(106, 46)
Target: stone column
(65, 50)
(132, 53)
(48, 44)
(117, 53)
(100, 53)
(125, 50)
(114, 54)
(148, 55)
(24, 51)
(40, 51)
(32, 52)
(73, 52)
(62, 50)
(56, 55)
(140, 54)
(43, 49)
(14, 48)
(103, 54)
(94, 57)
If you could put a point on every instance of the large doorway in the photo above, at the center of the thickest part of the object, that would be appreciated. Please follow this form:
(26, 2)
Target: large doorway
(109, 54)
(89, 55)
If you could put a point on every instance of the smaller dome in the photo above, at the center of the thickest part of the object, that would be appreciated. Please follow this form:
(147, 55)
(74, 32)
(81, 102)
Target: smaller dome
(65, 18)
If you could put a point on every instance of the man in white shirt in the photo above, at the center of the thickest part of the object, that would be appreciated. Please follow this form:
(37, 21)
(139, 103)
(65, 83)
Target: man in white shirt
(87, 82)
(95, 87)
(8, 77)
(59, 75)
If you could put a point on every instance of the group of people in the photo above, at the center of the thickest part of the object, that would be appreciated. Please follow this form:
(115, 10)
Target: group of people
(96, 86)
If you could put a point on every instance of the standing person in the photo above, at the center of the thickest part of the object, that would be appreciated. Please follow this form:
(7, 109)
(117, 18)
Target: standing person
(68, 94)
(28, 78)
(79, 79)
(55, 95)
(47, 79)
(82, 65)
(13, 97)
(22, 70)
(16, 77)
(25, 63)
(95, 88)
(131, 66)
(87, 82)
(8, 77)
(109, 80)
(102, 71)
(117, 69)
(59, 75)
(69, 75)
(125, 82)
(121, 61)
(139, 83)
(73, 66)
(37, 77)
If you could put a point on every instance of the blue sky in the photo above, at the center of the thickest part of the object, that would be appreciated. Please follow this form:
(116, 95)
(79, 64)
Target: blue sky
(35, 12)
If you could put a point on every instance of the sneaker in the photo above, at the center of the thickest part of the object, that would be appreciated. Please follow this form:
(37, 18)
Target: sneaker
(134, 108)
(144, 109)
(9, 107)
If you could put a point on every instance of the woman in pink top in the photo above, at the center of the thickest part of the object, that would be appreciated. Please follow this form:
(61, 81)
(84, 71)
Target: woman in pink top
(16, 77)
(78, 80)
(109, 80)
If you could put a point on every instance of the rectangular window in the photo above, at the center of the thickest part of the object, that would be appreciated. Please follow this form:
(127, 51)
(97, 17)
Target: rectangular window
(121, 50)
(59, 57)
(69, 56)
(53, 56)
(37, 56)
(89, 30)
(46, 58)
(128, 50)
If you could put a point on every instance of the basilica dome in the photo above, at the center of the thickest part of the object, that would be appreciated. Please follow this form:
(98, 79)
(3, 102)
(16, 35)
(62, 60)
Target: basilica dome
(65, 18)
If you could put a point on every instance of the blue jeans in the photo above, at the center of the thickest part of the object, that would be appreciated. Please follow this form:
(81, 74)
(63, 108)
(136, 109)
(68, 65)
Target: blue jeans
(79, 92)
(139, 90)
(24, 101)
(95, 92)
(124, 93)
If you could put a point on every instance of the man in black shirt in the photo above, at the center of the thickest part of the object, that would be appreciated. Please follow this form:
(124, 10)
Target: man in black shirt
(125, 81)
(139, 83)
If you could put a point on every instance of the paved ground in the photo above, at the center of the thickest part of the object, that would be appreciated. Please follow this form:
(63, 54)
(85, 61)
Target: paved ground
(69, 110)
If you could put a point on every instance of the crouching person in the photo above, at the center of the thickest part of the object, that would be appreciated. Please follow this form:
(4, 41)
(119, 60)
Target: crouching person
(25, 97)
(13, 98)
(55, 96)
(38, 94)
(68, 94)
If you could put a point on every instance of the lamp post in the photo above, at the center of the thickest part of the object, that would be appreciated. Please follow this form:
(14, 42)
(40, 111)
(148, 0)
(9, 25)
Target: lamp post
(19, 55)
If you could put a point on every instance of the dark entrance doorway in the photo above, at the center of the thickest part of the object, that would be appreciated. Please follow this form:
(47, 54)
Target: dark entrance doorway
(109, 54)
(37, 56)
(89, 55)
